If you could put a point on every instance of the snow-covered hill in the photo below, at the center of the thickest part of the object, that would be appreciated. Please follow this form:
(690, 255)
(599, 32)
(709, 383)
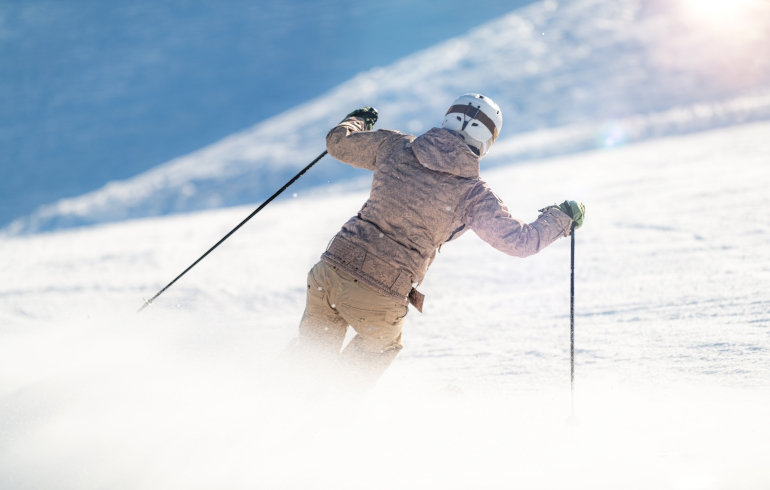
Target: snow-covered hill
(672, 337)
(569, 76)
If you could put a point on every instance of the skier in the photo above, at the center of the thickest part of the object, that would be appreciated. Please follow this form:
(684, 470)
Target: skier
(426, 191)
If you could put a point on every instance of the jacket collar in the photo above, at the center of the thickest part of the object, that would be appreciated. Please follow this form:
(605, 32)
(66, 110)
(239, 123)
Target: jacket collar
(444, 150)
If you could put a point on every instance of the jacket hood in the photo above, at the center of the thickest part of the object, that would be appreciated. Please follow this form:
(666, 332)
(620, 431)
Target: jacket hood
(445, 151)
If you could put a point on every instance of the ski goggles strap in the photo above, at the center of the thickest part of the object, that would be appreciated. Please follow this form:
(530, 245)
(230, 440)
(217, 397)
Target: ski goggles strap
(481, 117)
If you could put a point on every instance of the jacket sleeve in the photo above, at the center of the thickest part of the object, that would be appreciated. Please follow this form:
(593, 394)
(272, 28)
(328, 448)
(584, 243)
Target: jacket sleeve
(486, 215)
(349, 143)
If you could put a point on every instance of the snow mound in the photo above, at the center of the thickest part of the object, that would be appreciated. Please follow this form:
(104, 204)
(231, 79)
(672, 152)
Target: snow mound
(569, 77)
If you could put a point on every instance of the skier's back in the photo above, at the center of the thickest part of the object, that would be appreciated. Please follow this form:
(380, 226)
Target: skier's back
(426, 191)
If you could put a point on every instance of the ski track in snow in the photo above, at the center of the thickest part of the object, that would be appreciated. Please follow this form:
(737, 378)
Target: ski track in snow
(672, 343)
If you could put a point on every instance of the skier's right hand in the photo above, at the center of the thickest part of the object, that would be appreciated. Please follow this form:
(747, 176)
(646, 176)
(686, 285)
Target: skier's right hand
(368, 114)
(574, 209)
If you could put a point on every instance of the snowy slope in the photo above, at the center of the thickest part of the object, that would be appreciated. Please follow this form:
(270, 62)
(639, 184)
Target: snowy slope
(673, 343)
(99, 91)
(569, 77)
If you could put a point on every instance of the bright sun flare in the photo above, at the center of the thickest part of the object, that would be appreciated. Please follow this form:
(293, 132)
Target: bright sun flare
(720, 11)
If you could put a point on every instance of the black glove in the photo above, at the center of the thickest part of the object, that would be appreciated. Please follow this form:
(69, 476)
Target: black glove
(574, 209)
(368, 114)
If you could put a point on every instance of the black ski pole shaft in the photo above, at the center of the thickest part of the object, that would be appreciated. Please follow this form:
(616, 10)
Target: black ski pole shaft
(572, 325)
(294, 179)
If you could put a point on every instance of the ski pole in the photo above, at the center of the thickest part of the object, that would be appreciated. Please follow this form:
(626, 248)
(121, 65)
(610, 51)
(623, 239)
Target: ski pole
(294, 179)
(572, 324)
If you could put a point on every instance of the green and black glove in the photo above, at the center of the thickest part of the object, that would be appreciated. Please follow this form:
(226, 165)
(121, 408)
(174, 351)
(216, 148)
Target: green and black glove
(574, 209)
(368, 114)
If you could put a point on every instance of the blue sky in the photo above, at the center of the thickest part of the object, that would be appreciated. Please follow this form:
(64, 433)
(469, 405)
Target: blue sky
(96, 91)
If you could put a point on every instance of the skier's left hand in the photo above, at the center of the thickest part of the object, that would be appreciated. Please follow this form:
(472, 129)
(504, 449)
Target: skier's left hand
(574, 209)
(368, 114)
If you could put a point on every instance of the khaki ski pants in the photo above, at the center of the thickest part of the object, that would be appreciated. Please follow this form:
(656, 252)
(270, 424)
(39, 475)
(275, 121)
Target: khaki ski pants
(336, 300)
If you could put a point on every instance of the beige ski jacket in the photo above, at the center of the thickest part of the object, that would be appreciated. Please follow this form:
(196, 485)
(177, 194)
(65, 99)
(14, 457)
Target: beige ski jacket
(426, 191)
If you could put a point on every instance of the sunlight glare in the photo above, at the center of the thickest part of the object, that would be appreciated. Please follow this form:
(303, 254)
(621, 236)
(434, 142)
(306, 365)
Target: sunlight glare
(721, 13)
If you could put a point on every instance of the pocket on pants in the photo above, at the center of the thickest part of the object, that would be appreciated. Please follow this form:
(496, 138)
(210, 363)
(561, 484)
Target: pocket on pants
(375, 326)
(314, 288)
(360, 314)
(396, 314)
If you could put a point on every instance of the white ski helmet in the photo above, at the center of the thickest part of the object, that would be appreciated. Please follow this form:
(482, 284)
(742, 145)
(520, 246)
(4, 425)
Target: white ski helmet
(478, 120)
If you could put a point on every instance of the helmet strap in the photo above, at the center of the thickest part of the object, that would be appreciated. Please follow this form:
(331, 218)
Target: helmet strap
(465, 122)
